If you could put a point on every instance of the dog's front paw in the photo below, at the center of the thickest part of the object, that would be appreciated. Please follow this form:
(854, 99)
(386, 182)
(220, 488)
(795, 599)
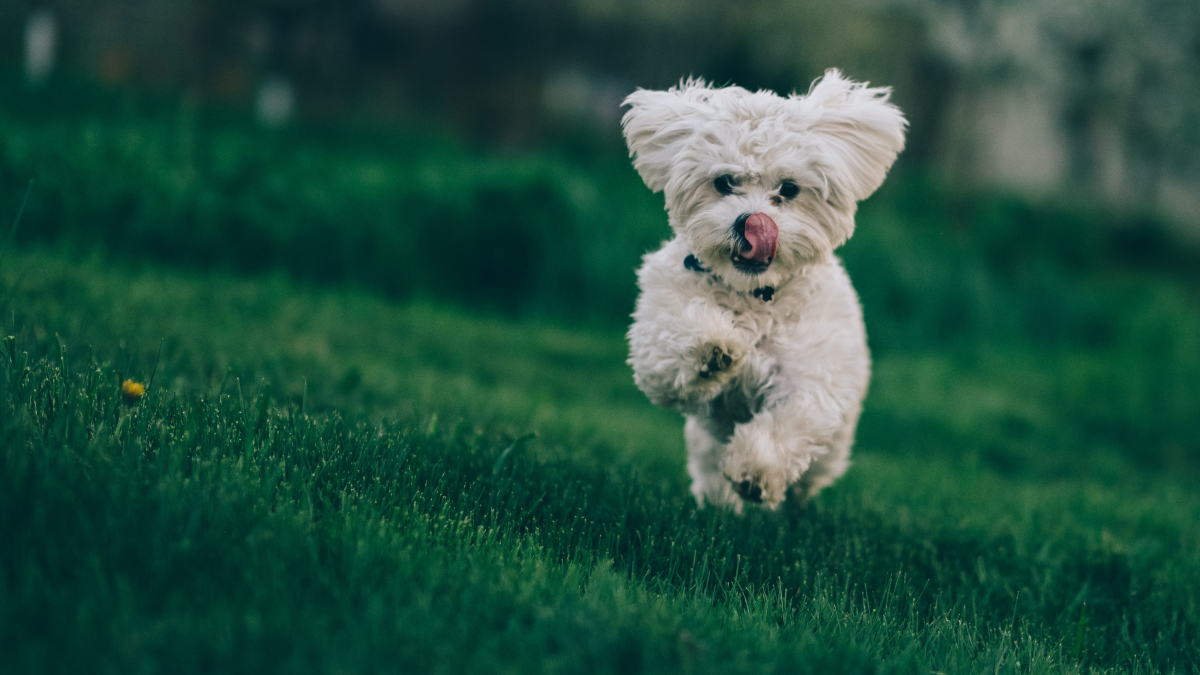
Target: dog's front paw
(715, 361)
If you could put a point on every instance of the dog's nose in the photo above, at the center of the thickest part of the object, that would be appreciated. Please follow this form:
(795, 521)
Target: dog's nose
(739, 225)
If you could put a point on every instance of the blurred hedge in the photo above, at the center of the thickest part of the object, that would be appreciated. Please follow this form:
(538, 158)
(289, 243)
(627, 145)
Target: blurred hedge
(531, 233)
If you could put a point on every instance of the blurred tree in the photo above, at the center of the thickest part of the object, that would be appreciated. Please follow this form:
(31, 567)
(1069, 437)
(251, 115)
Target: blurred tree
(1101, 97)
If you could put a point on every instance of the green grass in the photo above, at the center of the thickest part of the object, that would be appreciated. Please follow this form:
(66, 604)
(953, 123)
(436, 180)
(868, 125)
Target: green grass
(216, 525)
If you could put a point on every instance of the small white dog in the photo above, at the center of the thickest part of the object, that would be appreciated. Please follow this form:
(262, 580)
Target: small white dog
(747, 322)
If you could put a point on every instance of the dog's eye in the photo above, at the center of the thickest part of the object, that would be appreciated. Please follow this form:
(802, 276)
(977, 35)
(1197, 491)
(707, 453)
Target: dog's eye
(725, 184)
(788, 189)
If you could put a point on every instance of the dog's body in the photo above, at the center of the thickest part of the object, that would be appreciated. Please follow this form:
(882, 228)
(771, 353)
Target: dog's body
(747, 323)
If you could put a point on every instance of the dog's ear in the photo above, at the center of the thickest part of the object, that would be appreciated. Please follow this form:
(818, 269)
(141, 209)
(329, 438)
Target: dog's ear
(858, 131)
(659, 124)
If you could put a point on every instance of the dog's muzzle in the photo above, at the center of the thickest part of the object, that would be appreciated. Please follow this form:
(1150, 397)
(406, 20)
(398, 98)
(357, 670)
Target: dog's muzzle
(756, 239)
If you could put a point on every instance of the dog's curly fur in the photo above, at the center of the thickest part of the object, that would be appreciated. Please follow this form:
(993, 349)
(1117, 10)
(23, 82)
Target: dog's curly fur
(767, 358)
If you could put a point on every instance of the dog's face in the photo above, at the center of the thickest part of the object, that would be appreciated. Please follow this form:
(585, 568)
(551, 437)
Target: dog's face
(759, 185)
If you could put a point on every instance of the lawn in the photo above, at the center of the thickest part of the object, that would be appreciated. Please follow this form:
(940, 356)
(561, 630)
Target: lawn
(351, 471)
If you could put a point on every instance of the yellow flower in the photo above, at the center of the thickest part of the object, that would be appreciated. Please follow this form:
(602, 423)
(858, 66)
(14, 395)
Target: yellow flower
(132, 391)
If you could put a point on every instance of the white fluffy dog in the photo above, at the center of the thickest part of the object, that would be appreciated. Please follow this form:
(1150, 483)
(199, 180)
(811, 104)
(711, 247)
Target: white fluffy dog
(747, 322)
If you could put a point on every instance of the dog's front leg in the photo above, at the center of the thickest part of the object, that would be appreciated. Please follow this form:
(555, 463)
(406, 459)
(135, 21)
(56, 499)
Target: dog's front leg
(683, 354)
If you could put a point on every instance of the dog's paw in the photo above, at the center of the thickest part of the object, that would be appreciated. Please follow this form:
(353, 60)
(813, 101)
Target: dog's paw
(716, 492)
(714, 361)
(766, 487)
(748, 490)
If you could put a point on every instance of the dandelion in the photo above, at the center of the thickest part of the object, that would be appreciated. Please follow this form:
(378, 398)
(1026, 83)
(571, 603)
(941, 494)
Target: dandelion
(132, 391)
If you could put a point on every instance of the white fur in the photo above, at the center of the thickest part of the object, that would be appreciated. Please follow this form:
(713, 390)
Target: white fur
(782, 414)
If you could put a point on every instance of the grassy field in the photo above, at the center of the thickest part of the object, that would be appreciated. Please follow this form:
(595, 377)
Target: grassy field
(342, 470)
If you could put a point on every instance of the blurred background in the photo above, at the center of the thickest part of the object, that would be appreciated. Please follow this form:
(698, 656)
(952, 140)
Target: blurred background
(1054, 146)
(1096, 99)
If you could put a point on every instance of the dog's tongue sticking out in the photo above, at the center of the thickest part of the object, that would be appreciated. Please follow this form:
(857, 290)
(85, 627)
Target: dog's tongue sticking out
(763, 236)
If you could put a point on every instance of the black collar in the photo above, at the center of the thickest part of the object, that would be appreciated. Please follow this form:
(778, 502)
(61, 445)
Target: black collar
(692, 263)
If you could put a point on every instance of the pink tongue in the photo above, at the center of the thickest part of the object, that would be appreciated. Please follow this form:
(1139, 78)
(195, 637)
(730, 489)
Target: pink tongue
(763, 236)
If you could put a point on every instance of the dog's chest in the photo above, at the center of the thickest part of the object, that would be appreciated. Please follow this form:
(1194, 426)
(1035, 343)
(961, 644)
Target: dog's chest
(780, 311)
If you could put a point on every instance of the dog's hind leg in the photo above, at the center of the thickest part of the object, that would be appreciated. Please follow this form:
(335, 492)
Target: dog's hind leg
(826, 467)
(779, 445)
(705, 454)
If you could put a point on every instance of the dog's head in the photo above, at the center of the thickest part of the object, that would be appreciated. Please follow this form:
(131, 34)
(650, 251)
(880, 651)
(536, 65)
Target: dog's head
(757, 184)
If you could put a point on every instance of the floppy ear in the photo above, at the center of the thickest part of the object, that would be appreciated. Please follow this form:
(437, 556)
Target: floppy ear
(658, 126)
(858, 131)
